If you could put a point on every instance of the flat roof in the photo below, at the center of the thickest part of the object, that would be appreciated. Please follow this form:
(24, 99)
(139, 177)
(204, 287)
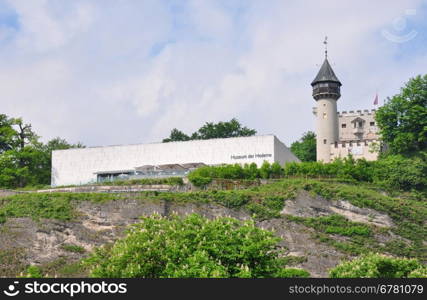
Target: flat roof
(161, 143)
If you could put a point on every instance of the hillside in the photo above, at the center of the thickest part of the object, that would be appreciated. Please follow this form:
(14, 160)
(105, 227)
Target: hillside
(321, 222)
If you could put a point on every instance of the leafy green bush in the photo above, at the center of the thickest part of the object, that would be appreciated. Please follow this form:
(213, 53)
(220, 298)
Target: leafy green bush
(334, 224)
(396, 171)
(201, 176)
(293, 273)
(204, 175)
(33, 272)
(73, 248)
(230, 199)
(190, 246)
(47, 205)
(379, 266)
(265, 170)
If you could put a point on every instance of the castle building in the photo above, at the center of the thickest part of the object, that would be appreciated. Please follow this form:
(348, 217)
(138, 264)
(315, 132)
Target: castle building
(340, 134)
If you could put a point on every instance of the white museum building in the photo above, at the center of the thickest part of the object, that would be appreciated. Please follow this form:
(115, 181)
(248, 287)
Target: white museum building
(96, 164)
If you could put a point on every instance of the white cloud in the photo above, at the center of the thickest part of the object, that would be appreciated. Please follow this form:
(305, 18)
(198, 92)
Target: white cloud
(110, 72)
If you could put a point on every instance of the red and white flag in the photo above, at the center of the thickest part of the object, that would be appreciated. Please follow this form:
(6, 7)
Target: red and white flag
(376, 100)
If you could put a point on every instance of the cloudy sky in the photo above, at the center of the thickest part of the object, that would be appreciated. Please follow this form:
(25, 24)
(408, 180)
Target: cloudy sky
(108, 72)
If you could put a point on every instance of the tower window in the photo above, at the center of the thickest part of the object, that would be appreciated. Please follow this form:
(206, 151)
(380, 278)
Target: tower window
(372, 123)
(343, 125)
(324, 141)
(324, 115)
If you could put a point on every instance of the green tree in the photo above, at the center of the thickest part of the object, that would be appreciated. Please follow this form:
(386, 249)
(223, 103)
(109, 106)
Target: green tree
(191, 246)
(379, 266)
(24, 160)
(265, 170)
(232, 128)
(305, 148)
(276, 170)
(7, 133)
(403, 119)
(175, 136)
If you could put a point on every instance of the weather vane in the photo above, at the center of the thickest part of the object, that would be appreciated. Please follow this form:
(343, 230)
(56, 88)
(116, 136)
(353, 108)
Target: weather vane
(326, 46)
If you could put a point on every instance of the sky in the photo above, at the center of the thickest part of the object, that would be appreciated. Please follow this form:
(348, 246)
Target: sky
(109, 72)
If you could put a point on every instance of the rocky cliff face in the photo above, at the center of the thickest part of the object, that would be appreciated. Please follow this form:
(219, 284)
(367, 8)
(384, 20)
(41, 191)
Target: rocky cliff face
(24, 241)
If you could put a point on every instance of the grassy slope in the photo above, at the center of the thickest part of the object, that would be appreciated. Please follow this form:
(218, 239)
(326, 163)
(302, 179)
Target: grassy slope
(409, 212)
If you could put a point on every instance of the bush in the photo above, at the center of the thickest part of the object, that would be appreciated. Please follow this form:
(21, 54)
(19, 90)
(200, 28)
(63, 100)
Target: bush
(190, 246)
(379, 266)
(230, 199)
(396, 171)
(33, 272)
(293, 273)
(73, 248)
(201, 176)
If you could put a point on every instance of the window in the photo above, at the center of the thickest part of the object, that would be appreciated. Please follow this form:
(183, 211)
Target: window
(358, 144)
(343, 144)
(343, 125)
(351, 144)
(324, 115)
(372, 124)
(324, 141)
(360, 124)
(366, 143)
(336, 144)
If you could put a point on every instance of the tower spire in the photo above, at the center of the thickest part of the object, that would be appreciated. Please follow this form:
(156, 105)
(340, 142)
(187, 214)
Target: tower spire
(325, 42)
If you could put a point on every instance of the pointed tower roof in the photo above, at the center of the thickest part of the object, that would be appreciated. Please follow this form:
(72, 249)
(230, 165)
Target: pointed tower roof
(326, 74)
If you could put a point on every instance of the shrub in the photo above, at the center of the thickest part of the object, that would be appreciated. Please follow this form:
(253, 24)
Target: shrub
(265, 170)
(396, 171)
(190, 246)
(276, 170)
(73, 248)
(293, 273)
(379, 266)
(201, 176)
(230, 199)
(33, 272)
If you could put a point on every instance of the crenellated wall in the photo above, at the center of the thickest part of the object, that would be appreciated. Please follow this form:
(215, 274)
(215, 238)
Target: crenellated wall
(348, 125)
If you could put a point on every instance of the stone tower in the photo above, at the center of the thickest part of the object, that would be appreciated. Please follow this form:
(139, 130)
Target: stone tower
(326, 92)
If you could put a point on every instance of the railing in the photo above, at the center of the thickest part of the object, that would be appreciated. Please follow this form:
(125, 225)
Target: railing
(326, 90)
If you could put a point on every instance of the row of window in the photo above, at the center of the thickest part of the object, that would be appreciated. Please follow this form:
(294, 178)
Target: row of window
(350, 144)
(357, 124)
(344, 143)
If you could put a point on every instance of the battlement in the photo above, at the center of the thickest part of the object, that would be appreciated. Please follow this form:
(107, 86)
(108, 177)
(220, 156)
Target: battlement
(356, 113)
